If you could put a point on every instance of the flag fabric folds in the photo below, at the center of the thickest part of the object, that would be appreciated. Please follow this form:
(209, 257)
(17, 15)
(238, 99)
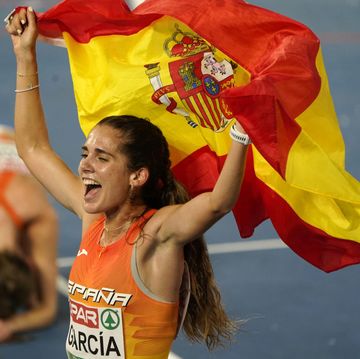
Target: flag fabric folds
(193, 68)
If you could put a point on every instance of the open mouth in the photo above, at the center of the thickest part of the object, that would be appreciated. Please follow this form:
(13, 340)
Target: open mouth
(90, 186)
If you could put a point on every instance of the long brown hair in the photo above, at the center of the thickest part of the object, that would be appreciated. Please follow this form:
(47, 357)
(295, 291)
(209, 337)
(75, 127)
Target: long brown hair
(145, 146)
(17, 284)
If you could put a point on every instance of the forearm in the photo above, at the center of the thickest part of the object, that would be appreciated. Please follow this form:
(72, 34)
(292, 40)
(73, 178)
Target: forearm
(38, 317)
(30, 127)
(227, 188)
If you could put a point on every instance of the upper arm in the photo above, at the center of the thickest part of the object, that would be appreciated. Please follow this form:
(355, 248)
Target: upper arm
(51, 171)
(186, 222)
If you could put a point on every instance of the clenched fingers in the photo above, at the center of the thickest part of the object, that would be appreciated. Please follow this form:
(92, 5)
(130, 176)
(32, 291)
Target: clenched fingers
(16, 22)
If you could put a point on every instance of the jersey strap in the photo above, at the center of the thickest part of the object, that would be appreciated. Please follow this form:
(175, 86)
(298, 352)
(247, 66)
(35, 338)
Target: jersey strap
(5, 179)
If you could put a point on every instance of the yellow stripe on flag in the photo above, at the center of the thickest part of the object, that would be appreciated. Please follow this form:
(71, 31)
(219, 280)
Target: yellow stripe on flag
(317, 186)
(316, 159)
(336, 218)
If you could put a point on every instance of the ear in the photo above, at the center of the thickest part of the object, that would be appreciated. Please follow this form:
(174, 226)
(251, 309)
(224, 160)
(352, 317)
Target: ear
(139, 177)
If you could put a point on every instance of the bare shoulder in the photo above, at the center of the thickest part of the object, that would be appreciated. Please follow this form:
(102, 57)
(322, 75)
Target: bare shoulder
(153, 250)
(26, 181)
(154, 224)
(27, 195)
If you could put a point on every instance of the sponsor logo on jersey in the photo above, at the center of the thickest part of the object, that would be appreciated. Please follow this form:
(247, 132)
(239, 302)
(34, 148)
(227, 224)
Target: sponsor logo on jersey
(110, 319)
(84, 315)
(95, 332)
(82, 252)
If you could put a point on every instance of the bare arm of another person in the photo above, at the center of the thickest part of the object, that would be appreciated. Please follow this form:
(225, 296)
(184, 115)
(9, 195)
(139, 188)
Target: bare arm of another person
(30, 128)
(40, 235)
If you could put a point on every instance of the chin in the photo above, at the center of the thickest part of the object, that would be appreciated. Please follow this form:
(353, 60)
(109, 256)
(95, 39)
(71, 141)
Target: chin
(91, 208)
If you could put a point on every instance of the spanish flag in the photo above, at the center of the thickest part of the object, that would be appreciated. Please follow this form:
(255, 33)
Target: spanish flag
(193, 68)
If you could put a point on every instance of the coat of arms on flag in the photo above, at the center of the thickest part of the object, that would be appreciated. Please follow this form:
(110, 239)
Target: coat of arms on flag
(198, 78)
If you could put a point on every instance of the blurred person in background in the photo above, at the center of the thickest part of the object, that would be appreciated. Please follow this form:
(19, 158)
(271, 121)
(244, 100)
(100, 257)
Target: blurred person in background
(28, 240)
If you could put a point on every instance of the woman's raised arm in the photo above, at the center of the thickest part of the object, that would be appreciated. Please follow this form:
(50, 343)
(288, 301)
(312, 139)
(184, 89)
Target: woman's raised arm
(30, 128)
(186, 222)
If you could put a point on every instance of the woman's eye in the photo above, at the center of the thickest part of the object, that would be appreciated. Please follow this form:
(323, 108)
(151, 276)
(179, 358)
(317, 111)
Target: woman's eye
(102, 159)
(83, 155)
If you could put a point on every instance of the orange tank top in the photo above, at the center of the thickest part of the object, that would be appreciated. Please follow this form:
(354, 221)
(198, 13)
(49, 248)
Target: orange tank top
(5, 179)
(112, 314)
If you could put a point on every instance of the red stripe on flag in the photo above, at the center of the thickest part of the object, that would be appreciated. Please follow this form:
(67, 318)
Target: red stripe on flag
(199, 171)
(272, 130)
(312, 244)
(279, 53)
(250, 210)
(258, 202)
(87, 19)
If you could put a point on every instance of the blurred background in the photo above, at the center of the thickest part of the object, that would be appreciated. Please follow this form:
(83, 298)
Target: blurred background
(294, 310)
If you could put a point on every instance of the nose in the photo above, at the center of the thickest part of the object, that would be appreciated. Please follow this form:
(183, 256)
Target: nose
(85, 165)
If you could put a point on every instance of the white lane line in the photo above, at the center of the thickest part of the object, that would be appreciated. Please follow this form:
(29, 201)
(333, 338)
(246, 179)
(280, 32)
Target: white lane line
(62, 285)
(230, 247)
(173, 356)
(65, 262)
(246, 246)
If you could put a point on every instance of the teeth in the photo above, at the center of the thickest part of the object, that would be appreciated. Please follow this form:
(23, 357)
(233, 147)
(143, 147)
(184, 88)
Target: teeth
(89, 182)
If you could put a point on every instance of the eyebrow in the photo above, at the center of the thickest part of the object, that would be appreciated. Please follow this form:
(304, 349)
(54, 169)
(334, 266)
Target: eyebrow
(98, 151)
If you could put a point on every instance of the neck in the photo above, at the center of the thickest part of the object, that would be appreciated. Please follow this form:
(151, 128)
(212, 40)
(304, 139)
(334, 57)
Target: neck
(117, 224)
(119, 219)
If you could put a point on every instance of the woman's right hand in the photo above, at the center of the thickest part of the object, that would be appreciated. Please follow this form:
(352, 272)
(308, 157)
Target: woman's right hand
(23, 30)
